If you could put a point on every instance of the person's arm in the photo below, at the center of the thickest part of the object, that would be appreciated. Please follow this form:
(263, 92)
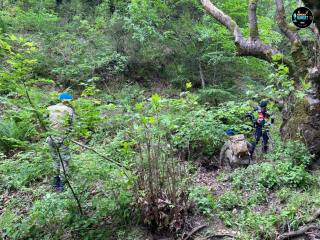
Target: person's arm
(272, 119)
(249, 145)
(256, 122)
(72, 118)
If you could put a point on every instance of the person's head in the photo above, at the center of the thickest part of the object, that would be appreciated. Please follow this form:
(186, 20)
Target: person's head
(230, 133)
(65, 98)
(263, 106)
(253, 98)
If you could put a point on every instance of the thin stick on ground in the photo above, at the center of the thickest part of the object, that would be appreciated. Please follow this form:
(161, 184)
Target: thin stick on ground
(298, 232)
(110, 160)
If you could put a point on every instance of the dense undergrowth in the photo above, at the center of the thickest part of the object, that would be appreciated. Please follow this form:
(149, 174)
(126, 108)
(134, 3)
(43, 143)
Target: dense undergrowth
(266, 198)
(107, 195)
(137, 101)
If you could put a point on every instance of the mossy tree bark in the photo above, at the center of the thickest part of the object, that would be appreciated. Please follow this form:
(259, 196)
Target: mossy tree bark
(298, 116)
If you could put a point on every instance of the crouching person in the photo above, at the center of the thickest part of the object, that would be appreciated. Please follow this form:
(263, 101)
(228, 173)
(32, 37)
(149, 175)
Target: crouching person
(61, 117)
(235, 152)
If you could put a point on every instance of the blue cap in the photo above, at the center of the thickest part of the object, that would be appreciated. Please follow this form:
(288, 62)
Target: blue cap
(65, 96)
(263, 104)
(230, 131)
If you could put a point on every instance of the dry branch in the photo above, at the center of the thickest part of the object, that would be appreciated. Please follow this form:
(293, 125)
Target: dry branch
(219, 235)
(298, 232)
(314, 216)
(110, 160)
(195, 230)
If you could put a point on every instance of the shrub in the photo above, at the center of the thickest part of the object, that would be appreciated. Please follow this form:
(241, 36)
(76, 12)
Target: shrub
(293, 151)
(160, 182)
(229, 200)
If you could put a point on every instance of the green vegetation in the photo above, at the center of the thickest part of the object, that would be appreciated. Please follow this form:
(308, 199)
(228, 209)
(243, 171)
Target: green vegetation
(155, 86)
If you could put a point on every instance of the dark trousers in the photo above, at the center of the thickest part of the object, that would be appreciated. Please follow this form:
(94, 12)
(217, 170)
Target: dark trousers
(259, 132)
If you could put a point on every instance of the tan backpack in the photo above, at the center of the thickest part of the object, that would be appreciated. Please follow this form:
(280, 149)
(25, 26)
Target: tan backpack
(239, 145)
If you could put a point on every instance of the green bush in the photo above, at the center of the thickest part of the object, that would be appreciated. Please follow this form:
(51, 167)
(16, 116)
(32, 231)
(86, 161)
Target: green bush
(229, 200)
(283, 174)
(272, 176)
(293, 151)
(261, 225)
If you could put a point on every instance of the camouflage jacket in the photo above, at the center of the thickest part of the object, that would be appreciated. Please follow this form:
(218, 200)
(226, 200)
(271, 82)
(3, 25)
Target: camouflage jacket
(61, 118)
(227, 146)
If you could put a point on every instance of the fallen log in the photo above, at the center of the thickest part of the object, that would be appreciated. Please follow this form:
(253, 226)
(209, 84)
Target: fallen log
(298, 232)
(314, 216)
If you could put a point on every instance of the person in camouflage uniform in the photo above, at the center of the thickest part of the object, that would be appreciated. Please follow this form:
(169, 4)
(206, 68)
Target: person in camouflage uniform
(227, 156)
(61, 117)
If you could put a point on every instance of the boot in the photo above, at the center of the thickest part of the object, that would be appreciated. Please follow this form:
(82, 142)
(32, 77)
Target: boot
(56, 182)
(265, 149)
(61, 186)
(251, 160)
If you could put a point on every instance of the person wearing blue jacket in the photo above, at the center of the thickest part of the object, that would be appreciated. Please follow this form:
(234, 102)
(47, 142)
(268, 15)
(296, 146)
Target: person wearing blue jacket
(262, 124)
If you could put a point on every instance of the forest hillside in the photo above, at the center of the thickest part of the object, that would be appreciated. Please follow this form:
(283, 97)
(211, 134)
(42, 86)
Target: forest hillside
(121, 119)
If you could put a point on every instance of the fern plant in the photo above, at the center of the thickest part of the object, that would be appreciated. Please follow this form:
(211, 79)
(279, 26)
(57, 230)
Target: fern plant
(12, 132)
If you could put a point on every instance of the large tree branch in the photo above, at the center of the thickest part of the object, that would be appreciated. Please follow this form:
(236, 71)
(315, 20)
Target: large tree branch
(253, 22)
(223, 18)
(300, 59)
(246, 46)
(316, 32)
(288, 30)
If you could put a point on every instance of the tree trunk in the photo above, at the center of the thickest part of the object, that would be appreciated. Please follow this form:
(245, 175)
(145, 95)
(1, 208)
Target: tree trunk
(303, 116)
(200, 67)
(299, 116)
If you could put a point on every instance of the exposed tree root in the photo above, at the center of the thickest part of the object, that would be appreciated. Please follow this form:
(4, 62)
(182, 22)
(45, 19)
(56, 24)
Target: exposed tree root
(194, 231)
(314, 216)
(219, 235)
(298, 232)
